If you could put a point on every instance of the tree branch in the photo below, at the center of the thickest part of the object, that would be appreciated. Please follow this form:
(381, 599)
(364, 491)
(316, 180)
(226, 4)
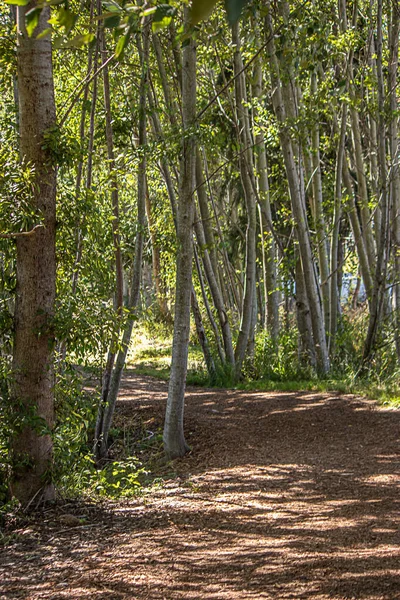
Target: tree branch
(21, 233)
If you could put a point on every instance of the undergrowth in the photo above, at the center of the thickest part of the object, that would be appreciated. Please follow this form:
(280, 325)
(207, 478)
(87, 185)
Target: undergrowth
(137, 453)
(276, 365)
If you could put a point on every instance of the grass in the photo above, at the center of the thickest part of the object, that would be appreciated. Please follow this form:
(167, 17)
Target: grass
(151, 356)
(380, 393)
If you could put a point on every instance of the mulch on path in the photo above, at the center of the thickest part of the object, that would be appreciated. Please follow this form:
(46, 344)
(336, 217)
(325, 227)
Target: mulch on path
(284, 495)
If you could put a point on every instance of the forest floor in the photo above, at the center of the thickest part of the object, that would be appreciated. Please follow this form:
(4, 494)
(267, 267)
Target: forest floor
(284, 495)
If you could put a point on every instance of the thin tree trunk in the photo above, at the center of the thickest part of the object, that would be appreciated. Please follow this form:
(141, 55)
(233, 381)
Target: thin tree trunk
(378, 293)
(357, 233)
(110, 394)
(202, 337)
(33, 369)
(213, 323)
(246, 175)
(362, 187)
(306, 346)
(89, 167)
(319, 218)
(174, 439)
(215, 293)
(284, 104)
(267, 237)
(156, 264)
(337, 214)
(394, 179)
(119, 278)
(201, 189)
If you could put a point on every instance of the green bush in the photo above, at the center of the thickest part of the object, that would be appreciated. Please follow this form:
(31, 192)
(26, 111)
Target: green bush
(277, 360)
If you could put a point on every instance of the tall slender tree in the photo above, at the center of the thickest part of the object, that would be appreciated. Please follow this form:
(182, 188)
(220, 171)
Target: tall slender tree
(174, 439)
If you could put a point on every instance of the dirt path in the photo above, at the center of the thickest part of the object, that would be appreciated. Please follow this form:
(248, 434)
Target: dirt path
(291, 495)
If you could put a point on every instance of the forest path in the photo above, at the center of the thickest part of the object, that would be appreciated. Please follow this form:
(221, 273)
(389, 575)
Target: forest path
(284, 495)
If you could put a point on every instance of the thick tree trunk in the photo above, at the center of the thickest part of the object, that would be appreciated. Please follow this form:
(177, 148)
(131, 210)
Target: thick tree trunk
(174, 439)
(33, 385)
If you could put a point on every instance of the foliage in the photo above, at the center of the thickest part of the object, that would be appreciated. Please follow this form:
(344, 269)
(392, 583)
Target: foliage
(5, 430)
(278, 360)
(117, 479)
(75, 470)
(16, 190)
(308, 43)
(201, 9)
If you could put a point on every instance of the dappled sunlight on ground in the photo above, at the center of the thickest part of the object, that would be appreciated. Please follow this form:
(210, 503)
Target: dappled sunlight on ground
(283, 496)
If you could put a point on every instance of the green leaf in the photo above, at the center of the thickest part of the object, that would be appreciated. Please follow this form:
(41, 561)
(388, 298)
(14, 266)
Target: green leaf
(113, 7)
(163, 16)
(45, 33)
(149, 11)
(121, 45)
(66, 18)
(201, 9)
(234, 9)
(112, 21)
(32, 19)
(162, 11)
(80, 40)
(18, 2)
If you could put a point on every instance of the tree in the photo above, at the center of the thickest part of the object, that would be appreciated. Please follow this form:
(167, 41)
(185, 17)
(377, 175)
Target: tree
(33, 369)
(174, 440)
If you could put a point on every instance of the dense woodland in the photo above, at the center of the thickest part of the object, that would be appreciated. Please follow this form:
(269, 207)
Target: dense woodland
(235, 181)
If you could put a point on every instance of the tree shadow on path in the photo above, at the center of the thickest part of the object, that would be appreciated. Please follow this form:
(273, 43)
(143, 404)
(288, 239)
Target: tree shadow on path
(291, 495)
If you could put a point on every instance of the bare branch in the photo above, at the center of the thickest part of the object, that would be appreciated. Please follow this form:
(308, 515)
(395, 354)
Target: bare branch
(20, 233)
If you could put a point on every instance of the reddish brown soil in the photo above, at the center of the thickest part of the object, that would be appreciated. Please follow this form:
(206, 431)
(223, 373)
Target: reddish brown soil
(289, 495)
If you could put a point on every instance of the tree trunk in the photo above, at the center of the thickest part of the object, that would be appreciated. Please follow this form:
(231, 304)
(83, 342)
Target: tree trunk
(156, 264)
(337, 213)
(379, 289)
(357, 233)
(394, 181)
(285, 105)
(33, 385)
(306, 346)
(174, 439)
(109, 399)
(319, 219)
(267, 237)
(248, 182)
